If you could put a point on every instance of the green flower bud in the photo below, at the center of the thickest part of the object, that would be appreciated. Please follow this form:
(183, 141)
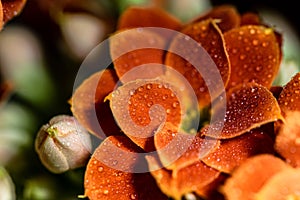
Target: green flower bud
(63, 144)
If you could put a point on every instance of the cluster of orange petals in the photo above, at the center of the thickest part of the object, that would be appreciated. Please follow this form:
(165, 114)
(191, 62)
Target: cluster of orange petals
(9, 9)
(254, 155)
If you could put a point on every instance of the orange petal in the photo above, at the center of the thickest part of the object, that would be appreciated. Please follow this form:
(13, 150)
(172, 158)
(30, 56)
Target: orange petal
(250, 18)
(283, 185)
(134, 17)
(177, 183)
(227, 15)
(287, 142)
(254, 54)
(248, 106)
(11, 8)
(1, 16)
(112, 179)
(88, 106)
(192, 147)
(139, 49)
(251, 175)
(215, 65)
(289, 97)
(233, 152)
(141, 107)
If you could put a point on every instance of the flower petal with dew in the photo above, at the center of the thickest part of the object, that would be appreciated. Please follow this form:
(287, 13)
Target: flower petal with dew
(289, 98)
(135, 17)
(248, 106)
(177, 150)
(188, 179)
(134, 48)
(227, 16)
(287, 142)
(109, 173)
(233, 152)
(250, 18)
(207, 35)
(89, 107)
(10, 9)
(283, 185)
(254, 55)
(251, 175)
(141, 107)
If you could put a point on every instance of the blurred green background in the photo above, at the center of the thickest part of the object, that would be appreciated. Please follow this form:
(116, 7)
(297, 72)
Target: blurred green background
(41, 51)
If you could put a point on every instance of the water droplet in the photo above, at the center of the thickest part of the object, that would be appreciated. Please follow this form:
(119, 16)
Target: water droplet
(255, 42)
(131, 92)
(133, 196)
(105, 192)
(297, 141)
(149, 86)
(258, 68)
(174, 105)
(293, 150)
(242, 56)
(149, 104)
(140, 89)
(100, 169)
(264, 44)
(186, 37)
(114, 162)
(252, 31)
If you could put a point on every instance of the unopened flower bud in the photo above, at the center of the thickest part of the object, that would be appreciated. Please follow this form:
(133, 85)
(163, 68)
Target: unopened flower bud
(63, 144)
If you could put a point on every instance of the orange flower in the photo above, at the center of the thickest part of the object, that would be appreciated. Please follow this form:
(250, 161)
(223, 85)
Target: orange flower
(147, 107)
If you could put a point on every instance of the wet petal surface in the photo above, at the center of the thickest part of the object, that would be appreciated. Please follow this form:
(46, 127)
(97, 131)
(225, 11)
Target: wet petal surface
(88, 106)
(201, 43)
(177, 150)
(135, 17)
(254, 55)
(227, 15)
(115, 182)
(248, 106)
(283, 185)
(137, 50)
(233, 152)
(248, 179)
(289, 98)
(141, 107)
(11, 8)
(288, 139)
(188, 179)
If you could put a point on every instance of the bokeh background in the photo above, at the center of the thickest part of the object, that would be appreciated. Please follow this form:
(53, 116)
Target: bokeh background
(41, 51)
